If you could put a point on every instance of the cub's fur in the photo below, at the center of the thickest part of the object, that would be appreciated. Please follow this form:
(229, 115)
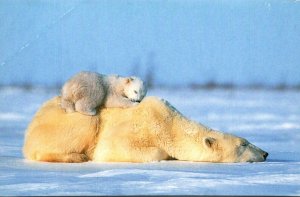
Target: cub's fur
(86, 91)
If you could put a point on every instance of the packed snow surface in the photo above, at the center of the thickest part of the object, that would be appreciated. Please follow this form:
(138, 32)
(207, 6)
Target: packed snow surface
(268, 119)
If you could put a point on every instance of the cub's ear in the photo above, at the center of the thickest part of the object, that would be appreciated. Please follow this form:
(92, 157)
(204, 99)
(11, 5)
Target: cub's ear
(209, 142)
(128, 80)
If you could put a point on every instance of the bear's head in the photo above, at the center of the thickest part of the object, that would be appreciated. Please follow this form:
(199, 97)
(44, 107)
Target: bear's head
(134, 89)
(229, 148)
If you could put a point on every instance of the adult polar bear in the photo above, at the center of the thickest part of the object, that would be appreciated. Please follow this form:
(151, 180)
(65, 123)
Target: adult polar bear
(150, 131)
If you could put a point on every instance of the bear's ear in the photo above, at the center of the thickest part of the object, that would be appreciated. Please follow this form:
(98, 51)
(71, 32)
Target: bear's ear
(209, 142)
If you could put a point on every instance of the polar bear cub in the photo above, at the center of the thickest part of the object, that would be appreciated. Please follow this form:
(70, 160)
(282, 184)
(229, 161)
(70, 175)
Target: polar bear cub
(86, 91)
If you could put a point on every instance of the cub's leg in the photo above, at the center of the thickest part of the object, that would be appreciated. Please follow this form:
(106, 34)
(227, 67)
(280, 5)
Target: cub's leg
(67, 105)
(86, 107)
(117, 101)
(67, 157)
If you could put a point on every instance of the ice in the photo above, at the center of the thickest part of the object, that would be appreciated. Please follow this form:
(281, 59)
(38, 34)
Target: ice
(268, 119)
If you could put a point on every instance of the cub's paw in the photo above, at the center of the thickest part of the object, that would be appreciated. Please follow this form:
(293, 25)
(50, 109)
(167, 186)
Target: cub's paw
(70, 110)
(89, 112)
(134, 103)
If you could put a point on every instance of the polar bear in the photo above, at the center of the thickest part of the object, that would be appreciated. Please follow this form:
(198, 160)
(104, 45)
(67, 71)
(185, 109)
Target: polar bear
(151, 131)
(86, 91)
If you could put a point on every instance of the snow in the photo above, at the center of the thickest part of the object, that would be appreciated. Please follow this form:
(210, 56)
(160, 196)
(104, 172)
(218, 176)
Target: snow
(11, 116)
(268, 119)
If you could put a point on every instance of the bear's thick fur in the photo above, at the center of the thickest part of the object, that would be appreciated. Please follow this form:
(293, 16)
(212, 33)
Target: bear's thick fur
(150, 131)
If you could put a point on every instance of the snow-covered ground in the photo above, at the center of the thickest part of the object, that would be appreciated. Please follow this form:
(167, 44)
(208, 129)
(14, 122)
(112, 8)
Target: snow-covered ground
(269, 119)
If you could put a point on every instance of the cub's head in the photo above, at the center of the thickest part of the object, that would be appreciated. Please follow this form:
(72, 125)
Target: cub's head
(134, 89)
(229, 148)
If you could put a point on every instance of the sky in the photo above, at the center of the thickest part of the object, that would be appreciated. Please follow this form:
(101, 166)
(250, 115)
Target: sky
(180, 42)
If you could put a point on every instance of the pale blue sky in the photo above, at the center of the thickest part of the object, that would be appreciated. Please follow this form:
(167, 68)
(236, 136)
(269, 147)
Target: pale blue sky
(242, 42)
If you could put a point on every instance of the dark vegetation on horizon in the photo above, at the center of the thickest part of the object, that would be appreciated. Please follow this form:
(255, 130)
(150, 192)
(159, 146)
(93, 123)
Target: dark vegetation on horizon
(210, 85)
(149, 76)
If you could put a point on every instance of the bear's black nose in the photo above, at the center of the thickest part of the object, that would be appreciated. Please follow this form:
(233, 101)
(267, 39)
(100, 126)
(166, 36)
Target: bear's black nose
(265, 155)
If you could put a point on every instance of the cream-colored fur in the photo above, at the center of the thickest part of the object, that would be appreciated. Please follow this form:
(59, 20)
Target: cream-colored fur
(86, 91)
(150, 131)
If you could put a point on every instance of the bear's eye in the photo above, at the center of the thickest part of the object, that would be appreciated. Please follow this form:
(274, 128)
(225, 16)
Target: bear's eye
(244, 144)
(135, 92)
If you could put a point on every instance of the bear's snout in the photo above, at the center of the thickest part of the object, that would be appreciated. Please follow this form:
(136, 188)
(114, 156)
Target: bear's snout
(265, 155)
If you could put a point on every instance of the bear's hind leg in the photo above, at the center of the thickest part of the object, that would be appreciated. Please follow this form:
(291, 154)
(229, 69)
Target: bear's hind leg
(63, 157)
(86, 107)
(67, 105)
